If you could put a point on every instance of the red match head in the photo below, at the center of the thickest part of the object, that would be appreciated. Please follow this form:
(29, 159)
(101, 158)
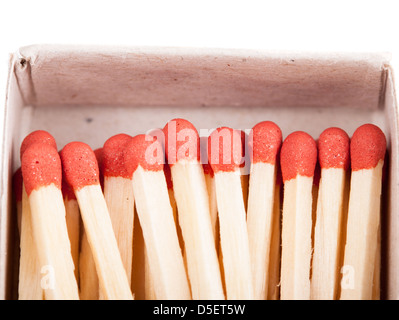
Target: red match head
(158, 134)
(145, 151)
(80, 165)
(367, 147)
(17, 183)
(38, 136)
(265, 142)
(41, 166)
(225, 152)
(113, 156)
(333, 148)
(298, 156)
(181, 141)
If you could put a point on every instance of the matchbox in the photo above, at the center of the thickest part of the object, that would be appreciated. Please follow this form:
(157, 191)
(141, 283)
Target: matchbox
(89, 93)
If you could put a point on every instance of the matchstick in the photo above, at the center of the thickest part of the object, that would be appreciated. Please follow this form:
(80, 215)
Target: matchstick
(82, 174)
(139, 261)
(171, 192)
(72, 216)
(275, 245)
(213, 209)
(88, 278)
(159, 135)
(264, 145)
(144, 162)
(118, 194)
(42, 174)
(89, 287)
(334, 159)
(210, 186)
(298, 160)
(182, 148)
(225, 156)
(29, 284)
(367, 149)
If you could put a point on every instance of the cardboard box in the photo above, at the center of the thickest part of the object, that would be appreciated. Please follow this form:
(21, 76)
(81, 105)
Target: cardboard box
(91, 93)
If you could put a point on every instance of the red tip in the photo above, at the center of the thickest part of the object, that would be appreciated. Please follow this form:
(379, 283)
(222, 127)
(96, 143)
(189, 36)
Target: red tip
(334, 149)
(41, 166)
(145, 151)
(38, 136)
(158, 134)
(264, 142)
(17, 183)
(181, 141)
(298, 156)
(367, 147)
(80, 165)
(113, 157)
(225, 149)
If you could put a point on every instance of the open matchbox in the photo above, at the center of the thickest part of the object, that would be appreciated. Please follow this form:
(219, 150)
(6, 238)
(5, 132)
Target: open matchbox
(89, 93)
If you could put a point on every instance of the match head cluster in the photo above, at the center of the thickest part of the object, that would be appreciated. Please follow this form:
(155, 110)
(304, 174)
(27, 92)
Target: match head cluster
(77, 165)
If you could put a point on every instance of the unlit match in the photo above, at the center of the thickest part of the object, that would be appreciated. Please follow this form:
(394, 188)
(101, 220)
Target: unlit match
(42, 173)
(264, 142)
(144, 162)
(118, 194)
(334, 159)
(367, 148)
(225, 156)
(182, 149)
(82, 174)
(298, 161)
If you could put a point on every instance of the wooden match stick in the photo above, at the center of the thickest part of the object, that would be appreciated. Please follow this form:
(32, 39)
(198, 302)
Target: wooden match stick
(182, 148)
(42, 174)
(29, 285)
(72, 215)
(298, 161)
(334, 159)
(82, 174)
(225, 156)
(210, 186)
(275, 245)
(264, 145)
(367, 149)
(171, 192)
(159, 135)
(118, 193)
(144, 162)
(88, 279)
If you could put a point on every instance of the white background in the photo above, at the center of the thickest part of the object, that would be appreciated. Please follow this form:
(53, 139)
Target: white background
(267, 25)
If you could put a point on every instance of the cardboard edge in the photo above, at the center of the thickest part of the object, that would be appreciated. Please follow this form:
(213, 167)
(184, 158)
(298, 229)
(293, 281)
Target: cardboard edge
(6, 230)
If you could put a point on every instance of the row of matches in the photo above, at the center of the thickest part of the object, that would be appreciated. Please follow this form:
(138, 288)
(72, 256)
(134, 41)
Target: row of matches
(144, 217)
